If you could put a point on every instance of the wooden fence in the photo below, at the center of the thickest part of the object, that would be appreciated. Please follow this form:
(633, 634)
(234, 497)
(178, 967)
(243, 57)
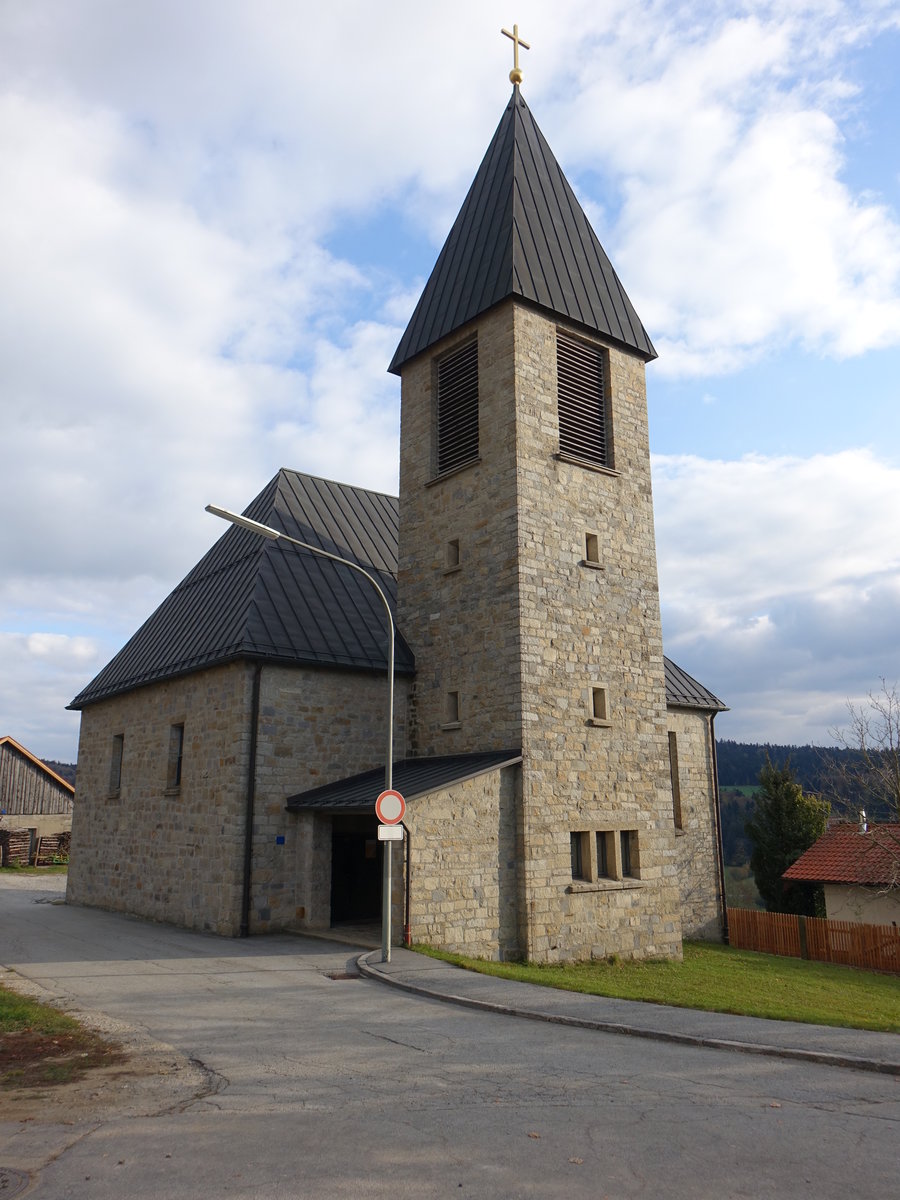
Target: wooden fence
(876, 947)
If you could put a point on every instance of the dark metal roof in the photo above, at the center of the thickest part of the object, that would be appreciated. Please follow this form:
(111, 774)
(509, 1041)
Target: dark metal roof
(683, 691)
(413, 777)
(252, 597)
(521, 232)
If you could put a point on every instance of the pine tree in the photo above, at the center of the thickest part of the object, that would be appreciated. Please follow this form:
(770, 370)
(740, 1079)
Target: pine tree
(786, 822)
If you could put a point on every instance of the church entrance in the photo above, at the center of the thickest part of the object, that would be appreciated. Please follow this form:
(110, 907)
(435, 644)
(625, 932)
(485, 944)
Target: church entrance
(356, 866)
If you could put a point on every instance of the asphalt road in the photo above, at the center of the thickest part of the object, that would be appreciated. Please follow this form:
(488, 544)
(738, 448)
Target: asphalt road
(296, 1085)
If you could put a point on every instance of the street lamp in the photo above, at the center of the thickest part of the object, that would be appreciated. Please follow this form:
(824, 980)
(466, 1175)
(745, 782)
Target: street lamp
(268, 532)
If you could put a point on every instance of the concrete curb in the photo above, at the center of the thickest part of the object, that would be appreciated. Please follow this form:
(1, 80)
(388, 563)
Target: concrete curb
(659, 1035)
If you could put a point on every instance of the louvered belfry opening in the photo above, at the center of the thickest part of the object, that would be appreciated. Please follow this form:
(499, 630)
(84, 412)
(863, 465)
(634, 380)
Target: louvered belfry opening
(457, 408)
(583, 420)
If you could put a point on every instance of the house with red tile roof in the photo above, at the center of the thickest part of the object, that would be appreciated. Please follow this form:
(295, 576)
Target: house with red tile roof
(859, 867)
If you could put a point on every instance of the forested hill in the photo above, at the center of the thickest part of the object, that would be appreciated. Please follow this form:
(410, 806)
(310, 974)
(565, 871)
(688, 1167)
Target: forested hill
(64, 770)
(813, 766)
(825, 770)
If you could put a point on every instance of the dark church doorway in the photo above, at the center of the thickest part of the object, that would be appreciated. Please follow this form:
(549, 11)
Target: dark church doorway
(356, 865)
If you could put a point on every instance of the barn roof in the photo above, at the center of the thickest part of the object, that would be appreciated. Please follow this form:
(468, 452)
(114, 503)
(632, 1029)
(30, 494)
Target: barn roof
(18, 748)
(522, 233)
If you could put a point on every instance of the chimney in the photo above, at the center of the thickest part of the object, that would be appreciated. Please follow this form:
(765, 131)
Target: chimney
(863, 823)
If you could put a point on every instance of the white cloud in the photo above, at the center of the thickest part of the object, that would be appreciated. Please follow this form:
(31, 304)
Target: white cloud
(174, 327)
(41, 673)
(736, 230)
(781, 575)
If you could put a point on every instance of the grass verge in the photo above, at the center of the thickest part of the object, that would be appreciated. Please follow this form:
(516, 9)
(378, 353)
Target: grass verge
(18, 869)
(41, 1045)
(720, 979)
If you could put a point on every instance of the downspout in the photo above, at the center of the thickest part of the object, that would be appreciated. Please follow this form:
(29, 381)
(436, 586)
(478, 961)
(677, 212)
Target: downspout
(719, 847)
(407, 934)
(250, 803)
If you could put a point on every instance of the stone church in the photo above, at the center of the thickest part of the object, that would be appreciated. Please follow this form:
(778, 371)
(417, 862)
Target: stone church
(559, 771)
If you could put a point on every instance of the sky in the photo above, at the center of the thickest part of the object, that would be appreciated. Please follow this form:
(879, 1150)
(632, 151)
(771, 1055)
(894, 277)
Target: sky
(216, 218)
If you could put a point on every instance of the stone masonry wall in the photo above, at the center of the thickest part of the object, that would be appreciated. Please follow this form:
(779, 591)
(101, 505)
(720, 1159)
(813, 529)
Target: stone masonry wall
(316, 726)
(170, 855)
(462, 624)
(524, 630)
(464, 867)
(177, 855)
(584, 627)
(696, 841)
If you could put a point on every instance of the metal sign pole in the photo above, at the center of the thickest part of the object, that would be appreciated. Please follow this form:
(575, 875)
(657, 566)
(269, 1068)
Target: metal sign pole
(390, 809)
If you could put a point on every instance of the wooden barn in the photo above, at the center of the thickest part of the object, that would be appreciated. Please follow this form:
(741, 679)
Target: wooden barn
(35, 806)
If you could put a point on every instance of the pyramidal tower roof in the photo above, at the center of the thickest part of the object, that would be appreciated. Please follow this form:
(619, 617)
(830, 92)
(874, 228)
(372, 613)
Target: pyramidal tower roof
(522, 233)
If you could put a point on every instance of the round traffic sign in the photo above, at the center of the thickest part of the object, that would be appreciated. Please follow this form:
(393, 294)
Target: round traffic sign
(390, 808)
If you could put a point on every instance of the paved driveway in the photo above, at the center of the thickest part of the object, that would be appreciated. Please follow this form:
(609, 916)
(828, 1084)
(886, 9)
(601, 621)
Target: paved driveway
(309, 1086)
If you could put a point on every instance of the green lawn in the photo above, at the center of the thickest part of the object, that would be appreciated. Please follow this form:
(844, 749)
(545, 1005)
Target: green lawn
(719, 979)
(18, 1013)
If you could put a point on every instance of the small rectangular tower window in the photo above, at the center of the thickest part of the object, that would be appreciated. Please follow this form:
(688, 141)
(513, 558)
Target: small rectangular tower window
(451, 555)
(598, 711)
(584, 424)
(457, 408)
(676, 782)
(115, 764)
(592, 549)
(176, 756)
(451, 709)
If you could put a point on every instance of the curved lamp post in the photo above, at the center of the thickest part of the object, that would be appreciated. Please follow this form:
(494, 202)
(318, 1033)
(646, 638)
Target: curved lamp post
(268, 532)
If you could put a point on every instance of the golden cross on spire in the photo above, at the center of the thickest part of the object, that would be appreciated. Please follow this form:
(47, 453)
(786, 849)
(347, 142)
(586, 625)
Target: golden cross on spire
(515, 75)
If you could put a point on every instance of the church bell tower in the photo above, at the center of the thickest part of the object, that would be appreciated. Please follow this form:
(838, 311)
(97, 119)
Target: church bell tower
(527, 582)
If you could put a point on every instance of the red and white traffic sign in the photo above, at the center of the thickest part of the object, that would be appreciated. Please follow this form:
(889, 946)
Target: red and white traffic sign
(390, 808)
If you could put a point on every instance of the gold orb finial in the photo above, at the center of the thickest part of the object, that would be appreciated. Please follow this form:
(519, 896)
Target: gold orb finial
(515, 75)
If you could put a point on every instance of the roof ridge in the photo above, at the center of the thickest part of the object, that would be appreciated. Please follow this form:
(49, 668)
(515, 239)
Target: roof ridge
(532, 240)
(38, 762)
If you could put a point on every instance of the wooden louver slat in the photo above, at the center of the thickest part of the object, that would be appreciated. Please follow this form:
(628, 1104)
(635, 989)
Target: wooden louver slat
(457, 408)
(581, 400)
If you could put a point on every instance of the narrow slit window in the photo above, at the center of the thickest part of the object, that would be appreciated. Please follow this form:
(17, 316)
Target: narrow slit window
(115, 764)
(451, 555)
(176, 757)
(599, 704)
(676, 782)
(584, 424)
(591, 548)
(457, 408)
